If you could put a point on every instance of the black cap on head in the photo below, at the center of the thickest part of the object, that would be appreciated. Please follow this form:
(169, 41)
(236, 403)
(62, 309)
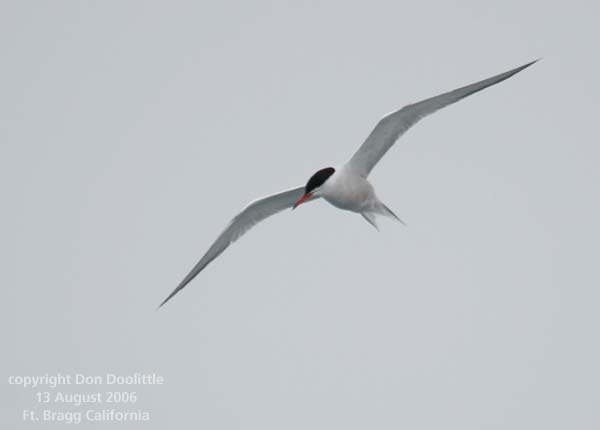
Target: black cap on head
(318, 179)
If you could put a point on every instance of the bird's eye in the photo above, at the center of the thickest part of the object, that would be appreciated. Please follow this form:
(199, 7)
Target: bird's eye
(318, 179)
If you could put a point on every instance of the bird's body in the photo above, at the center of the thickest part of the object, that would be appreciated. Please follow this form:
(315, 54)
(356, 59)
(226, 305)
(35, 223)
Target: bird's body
(348, 191)
(345, 187)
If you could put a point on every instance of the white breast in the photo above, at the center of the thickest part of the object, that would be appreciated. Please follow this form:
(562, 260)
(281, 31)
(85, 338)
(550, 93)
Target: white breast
(348, 191)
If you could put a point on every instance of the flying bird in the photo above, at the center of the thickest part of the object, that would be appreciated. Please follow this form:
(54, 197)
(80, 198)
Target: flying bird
(345, 187)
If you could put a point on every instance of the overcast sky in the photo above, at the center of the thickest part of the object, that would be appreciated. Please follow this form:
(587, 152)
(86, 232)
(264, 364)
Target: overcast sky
(131, 132)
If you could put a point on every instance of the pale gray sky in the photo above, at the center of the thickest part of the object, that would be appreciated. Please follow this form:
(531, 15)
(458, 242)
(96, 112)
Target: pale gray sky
(131, 132)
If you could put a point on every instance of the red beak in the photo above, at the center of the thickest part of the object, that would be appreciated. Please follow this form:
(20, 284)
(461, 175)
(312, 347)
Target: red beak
(302, 199)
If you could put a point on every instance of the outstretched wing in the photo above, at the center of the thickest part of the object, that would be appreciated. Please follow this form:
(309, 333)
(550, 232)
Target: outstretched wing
(395, 124)
(254, 213)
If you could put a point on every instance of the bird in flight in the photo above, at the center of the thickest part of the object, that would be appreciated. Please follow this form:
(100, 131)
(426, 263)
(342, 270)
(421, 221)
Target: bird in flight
(345, 187)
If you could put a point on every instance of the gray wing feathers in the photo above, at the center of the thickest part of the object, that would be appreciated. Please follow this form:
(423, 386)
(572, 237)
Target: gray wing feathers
(254, 213)
(393, 125)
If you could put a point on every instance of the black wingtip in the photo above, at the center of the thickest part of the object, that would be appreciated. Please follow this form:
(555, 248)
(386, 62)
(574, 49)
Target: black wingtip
(161, 304)
(523, 67)
(531, 63)
(175, 291)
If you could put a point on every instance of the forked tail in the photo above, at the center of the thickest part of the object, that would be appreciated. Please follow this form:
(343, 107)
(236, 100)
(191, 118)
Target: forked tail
(388, 212)
(380, 209)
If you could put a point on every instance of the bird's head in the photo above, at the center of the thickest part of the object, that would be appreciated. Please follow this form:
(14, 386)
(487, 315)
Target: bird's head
(314, 184)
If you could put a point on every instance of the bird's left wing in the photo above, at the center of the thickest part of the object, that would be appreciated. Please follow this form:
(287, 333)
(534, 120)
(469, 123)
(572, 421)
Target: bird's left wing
(392, 126)
(254, 213)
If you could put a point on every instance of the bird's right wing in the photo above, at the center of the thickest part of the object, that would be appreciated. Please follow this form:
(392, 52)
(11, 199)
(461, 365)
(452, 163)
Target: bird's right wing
(254, 213)
(395, 124)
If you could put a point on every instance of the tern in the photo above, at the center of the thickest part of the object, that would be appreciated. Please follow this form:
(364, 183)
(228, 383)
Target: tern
(345, 187)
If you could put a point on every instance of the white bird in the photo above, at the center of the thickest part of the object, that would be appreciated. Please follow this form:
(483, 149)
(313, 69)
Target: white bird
(345, 187)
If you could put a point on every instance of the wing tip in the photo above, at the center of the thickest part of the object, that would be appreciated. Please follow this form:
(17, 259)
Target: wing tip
(163, 302)
(524, 66)
(169, 297)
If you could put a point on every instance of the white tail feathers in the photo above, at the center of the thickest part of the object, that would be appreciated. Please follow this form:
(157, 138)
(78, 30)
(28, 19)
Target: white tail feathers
(380, 209)
(370, 217)
(388, 212)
